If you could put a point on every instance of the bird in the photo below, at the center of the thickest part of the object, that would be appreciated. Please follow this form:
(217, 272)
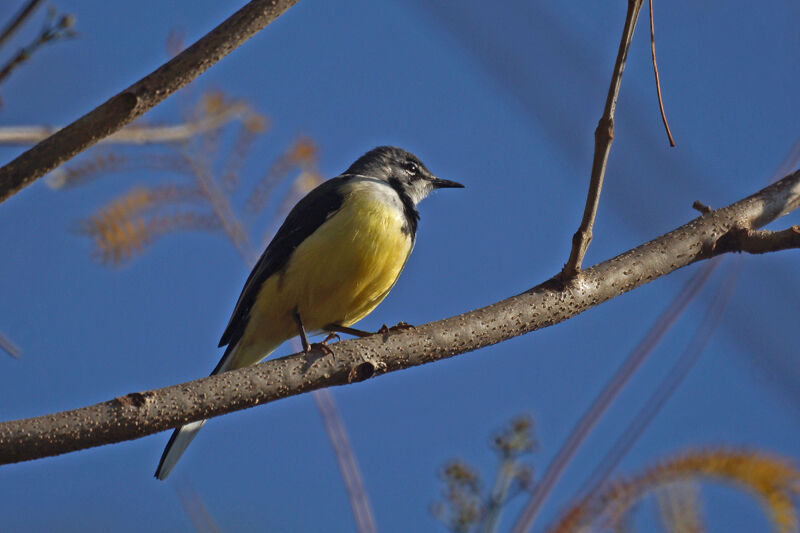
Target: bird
(336, 256)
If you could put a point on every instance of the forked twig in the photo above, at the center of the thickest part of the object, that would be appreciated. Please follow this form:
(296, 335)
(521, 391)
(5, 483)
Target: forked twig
(140, 97)
(603, 137)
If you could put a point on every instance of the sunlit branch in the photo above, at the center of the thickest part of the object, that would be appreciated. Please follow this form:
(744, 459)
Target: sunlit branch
(145, 413)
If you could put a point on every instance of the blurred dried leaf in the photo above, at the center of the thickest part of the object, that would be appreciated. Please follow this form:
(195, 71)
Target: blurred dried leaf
(302, 155)
(127, 225)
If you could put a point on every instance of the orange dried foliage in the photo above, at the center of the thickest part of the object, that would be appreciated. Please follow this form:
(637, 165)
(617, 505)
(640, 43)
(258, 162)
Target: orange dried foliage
(774, 480)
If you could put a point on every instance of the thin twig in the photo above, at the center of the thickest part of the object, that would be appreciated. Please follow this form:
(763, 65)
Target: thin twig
(221, 206)
(138, 414)
(9, 347)
(600, 404)
(351, 474)
(17, 20)
(658, 81)
(196, 509)
(133, 133)
(53, 30)
(140, 97)
(603, 137)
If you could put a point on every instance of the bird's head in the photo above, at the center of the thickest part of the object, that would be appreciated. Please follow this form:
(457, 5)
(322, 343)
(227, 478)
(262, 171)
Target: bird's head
(402, 170)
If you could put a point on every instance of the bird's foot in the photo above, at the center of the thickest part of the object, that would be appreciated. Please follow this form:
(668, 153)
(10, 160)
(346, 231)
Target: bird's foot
(400, 326)
(323, 345)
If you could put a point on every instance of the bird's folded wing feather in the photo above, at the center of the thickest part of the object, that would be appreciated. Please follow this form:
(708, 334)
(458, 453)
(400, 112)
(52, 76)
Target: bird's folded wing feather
(303, 220)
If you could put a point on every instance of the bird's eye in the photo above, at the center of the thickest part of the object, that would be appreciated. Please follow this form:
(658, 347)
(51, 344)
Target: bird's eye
(411, 168)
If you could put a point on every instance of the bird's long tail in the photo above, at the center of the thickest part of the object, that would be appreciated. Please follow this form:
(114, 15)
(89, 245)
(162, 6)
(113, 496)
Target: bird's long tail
(182, 436)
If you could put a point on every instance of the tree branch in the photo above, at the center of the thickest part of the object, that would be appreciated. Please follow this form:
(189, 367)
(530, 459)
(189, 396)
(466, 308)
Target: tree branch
(139, 97)
(139, 414)
(603, 137)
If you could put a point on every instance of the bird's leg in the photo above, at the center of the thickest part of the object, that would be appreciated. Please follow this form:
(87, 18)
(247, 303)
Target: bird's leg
(347, 330)
(301, 331)
(304, 340)
(384, 330)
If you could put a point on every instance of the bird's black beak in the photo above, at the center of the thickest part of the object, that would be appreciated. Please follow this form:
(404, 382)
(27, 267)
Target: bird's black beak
(439, 183)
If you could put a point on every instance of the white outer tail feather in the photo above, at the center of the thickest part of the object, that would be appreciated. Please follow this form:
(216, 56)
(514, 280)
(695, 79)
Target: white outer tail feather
(177, 445)
(182, 436)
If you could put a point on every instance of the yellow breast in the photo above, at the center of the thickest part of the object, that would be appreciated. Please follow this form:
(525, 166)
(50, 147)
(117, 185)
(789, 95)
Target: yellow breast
(340, 273)
(347, 267)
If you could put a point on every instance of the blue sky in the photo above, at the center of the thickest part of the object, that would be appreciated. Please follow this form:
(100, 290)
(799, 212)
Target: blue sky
(504, 100)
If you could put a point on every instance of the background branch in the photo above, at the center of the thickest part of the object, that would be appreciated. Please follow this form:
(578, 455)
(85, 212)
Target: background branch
(140, 414)
(16, 22)
(603, 137)
(134, 133)
(139, 97)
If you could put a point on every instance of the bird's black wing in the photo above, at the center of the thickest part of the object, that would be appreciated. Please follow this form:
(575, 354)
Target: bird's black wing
(303, 220)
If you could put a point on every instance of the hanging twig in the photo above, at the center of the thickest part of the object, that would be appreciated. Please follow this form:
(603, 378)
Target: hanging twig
(603, 137)
(658, 81)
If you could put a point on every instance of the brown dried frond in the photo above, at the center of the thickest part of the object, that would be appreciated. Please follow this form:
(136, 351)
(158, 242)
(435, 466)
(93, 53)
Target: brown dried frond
(679, 506)
(775, 480)
(125, 226)
(86, 170)
(102, 163)
(303, 155)
(252, 126)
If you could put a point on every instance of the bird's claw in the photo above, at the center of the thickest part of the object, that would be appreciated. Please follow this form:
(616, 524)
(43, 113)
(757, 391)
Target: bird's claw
(321, 346)
(400, 326)
(324, 344)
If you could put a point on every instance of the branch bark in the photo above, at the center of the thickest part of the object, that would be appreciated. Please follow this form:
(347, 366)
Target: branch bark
(139, 97)
(139, 414)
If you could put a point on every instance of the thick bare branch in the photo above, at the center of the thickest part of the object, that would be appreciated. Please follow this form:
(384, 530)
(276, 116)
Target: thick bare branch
(139, 97)
(140, 414)
(603, 137)
(134, 133)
